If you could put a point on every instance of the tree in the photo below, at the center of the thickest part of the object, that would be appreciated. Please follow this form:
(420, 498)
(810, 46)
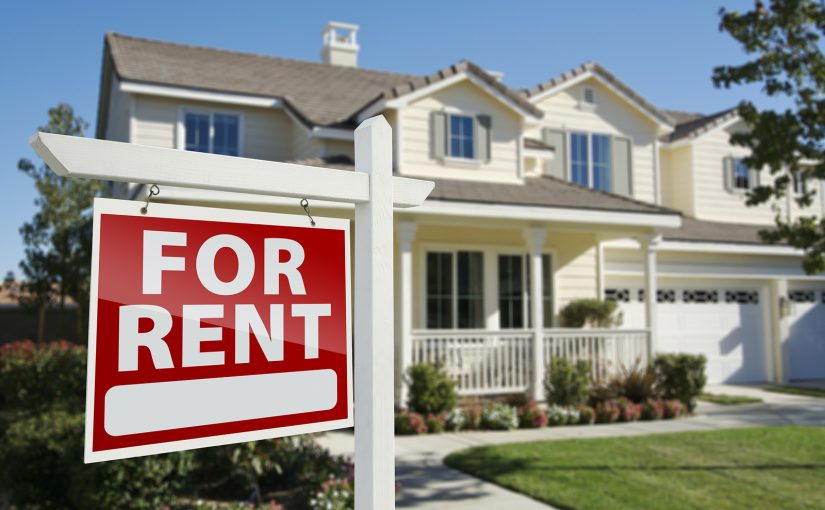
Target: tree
(58, 238)
(784, 41)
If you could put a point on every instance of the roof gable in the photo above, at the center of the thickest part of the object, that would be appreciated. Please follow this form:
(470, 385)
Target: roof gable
(608, 79)
(694, 127)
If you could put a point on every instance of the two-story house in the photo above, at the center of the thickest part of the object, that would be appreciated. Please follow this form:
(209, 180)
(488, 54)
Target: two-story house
(575, 188)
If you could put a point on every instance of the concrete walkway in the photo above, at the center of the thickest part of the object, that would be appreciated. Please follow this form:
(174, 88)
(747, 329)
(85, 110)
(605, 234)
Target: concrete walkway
(428, 484)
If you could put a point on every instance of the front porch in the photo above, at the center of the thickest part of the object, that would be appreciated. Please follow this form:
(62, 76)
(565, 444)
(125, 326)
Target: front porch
(484, 300)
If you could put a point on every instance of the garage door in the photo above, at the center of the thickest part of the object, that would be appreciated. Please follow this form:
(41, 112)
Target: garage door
(805, 347)
(723, 323)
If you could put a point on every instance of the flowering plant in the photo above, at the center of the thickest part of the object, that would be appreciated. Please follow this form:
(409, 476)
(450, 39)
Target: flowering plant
(607, 412)
(335, 494)
(673, 409)
(436, 423)
(562, 415)
(530, 416)
(408, 422)
(455, 420)
(586, 414)
(628, 411)
(499, 417)
(652, 409)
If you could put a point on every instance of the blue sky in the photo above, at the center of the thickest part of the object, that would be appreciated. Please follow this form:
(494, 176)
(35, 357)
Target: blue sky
(664, 49)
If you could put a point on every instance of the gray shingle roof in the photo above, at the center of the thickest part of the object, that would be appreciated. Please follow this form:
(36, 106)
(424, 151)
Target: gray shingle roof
(536, 191)
(320, 94)
(610, 78)
(693, 125)
(714, 232)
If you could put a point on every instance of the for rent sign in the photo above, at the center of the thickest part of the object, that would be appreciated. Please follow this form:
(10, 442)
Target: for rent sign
(212, 326)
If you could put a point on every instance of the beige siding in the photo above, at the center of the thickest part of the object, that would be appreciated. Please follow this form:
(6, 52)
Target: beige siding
(677, 179)
(465, 98)
(575, 266)
(117, 121)
(339, 147)
(267, 134)
(613, 116)
(713, 201)
(303, 146)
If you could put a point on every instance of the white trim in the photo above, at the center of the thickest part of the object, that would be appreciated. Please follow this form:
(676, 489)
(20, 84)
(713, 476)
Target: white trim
(200, 95)
(657, 172)
(710, 247)
(536, 153)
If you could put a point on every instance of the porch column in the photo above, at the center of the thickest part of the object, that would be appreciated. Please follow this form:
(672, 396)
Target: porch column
(406, 236)
(535, 241)
(649, 246)
(780, 325)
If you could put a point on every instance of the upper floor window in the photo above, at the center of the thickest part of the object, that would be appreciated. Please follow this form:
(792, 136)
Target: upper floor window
(462, 136)
(218, 133)
(741, 175)
(738, 177)
(800, 183)
(590, 160)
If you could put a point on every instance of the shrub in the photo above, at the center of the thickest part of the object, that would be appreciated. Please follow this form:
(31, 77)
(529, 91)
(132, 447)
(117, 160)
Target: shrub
(456, 420)
(335, 494)
(652, 409)
(607, 412)
(34, 378)
(591, 312)
(560, 415)
(473, 413)
(628, 410)
(530, 416)
(673, 409)
(586, 414)
(637, 383)
(408, 423)
(436, 423)
(431, 389)
(681, 376)
(566, 384)
(599, 392)
(499, 417)
(43, 463)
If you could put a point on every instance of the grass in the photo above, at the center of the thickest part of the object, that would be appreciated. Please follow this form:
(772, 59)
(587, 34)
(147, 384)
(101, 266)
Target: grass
(754, 468)
(729, 400)
(797, 390)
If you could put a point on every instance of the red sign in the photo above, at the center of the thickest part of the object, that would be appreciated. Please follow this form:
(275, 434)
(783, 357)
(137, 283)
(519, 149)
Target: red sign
(212, 326)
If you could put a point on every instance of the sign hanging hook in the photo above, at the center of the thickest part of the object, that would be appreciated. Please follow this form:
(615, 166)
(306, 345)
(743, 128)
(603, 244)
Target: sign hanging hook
(153, 190)
(305, 205)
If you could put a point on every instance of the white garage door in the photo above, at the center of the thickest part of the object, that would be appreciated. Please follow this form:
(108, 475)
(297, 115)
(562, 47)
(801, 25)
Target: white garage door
(805, 347)
(725, 323)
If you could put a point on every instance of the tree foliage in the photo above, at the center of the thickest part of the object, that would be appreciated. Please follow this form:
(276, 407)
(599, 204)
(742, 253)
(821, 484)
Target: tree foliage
(58, 238)
(783, 39)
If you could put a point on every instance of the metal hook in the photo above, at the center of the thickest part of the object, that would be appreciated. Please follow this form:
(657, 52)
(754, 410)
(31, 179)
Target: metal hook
(153, 190)
(305, 205)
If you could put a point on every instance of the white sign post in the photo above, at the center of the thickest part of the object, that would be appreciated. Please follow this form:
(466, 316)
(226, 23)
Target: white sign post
(372, 189)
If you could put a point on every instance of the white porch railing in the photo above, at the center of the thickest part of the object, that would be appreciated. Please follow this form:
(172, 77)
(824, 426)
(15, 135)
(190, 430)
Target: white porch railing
(607, 350)
(481, 362)
(489, 362)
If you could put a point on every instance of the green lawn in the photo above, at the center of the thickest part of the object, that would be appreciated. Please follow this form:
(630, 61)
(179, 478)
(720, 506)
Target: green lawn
(729, 400)
(756, 468)
(796, 390)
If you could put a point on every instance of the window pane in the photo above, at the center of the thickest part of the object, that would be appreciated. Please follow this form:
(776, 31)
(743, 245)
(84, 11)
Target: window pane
(470, 289)
(601, 162)
(439, 290)
(461, 136)
(510, 291)
(741, 175)
(226, 135)
(579, 167)
(196, 128)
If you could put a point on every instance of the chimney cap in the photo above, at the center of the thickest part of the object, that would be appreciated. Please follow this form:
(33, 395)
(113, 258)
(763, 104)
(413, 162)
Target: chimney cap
(332, 25)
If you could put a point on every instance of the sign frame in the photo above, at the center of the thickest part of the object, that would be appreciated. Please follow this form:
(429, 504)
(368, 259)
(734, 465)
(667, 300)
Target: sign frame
(103, 206)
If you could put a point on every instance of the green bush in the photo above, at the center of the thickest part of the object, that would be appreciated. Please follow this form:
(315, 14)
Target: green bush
(681, 377)
(498, 416)
(566, 384)
(34, 378)
(432, 391)
(43, 465)
(592, 312)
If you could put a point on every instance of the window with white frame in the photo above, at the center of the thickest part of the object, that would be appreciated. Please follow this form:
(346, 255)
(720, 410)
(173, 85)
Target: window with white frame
(461, 136)
(515, 298)
(800, 183)
(590, 160)
(741, 175)
(217, 133)
(455, 290)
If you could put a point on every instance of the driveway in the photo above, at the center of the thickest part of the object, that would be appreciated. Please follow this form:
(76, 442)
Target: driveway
(429, 485)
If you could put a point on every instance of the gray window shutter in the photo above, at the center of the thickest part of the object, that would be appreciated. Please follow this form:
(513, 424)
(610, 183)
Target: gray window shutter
(621, 167)
(557, 139)
(438, 134)
(753, 178)
(484, 129)
(727, 172)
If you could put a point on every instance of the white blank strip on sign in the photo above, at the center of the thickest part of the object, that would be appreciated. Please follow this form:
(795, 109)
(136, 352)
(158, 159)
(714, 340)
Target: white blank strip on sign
(137, 408)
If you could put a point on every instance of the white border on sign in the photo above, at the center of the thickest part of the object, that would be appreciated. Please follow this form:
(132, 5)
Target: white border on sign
(186, 212)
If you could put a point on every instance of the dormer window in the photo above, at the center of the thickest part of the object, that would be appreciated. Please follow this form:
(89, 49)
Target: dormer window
(216, 133)
(741, 175)
(462, 137)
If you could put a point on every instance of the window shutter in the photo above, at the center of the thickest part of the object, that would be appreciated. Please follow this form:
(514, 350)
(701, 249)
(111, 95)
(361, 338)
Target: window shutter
(484, 130)
(753, 178)
(438, 135)
(727, 167)
(556, 138)
(621, 166)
